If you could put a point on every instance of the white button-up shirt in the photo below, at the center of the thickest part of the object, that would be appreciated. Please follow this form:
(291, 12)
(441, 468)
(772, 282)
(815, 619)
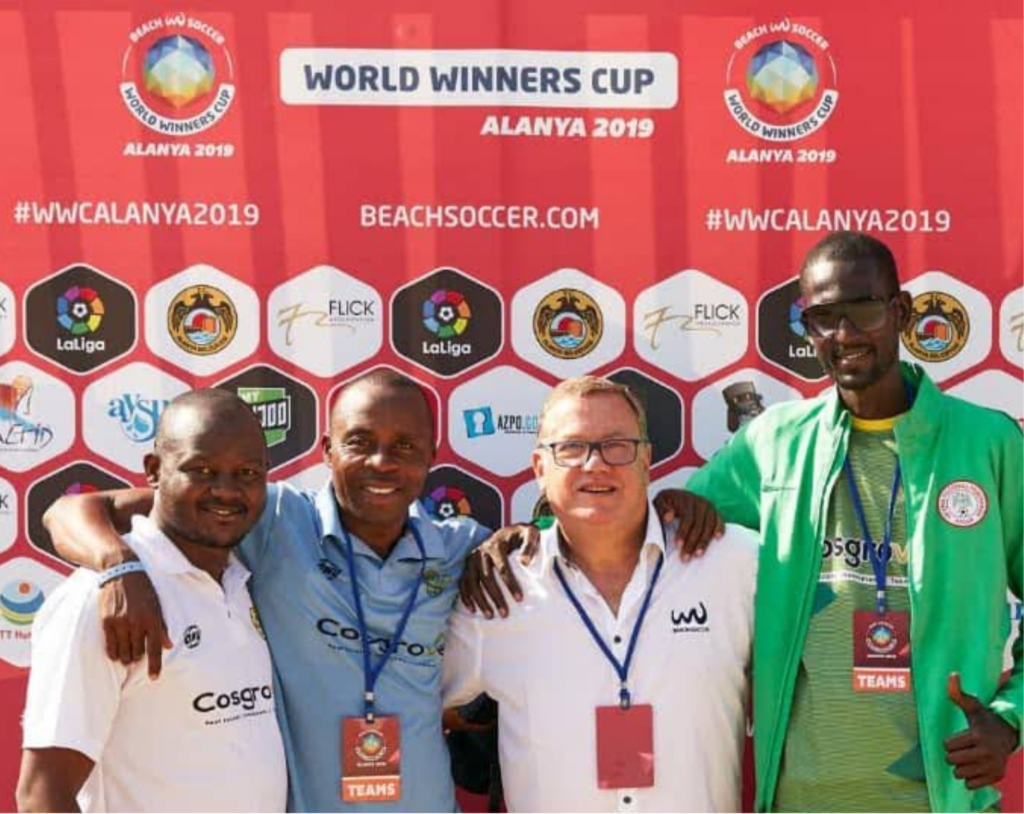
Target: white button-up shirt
(204, 736)
(548, 676)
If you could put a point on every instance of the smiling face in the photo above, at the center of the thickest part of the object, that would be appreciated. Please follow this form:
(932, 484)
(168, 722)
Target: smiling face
(856, 359)
(380, 448)
(614, 496)
(209, 469)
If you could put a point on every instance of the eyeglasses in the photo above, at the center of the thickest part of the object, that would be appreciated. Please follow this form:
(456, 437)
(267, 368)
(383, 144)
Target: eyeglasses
(613, 451)
(868, 314)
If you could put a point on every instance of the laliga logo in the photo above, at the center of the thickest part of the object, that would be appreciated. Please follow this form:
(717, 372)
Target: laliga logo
(177, 60)
(781, 81)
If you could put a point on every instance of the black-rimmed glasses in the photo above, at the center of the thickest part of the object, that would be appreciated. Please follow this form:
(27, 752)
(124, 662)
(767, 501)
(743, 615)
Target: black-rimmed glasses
(613, 451)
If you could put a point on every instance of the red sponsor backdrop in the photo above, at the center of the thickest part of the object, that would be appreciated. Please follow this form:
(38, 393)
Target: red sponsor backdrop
(921, 144)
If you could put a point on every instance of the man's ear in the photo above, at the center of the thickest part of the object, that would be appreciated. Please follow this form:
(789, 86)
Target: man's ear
(538, 462)
(325, 447)
(904, 309)
(151, 466)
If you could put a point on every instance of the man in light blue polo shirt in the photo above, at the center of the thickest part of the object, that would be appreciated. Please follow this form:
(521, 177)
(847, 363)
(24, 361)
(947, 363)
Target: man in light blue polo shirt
(366, 521)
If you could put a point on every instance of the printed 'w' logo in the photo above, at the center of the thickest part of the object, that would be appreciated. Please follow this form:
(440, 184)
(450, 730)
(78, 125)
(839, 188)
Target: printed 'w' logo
(693, 616)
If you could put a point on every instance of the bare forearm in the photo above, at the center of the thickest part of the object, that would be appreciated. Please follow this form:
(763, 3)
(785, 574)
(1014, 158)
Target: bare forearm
(47, 798)
(86, 529)
(50, 779)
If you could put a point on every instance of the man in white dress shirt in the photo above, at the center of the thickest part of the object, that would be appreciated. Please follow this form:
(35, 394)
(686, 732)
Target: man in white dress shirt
(103, 736)
(621, 678)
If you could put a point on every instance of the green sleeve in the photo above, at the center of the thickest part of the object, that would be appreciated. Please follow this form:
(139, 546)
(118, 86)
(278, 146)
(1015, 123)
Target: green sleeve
(1009, 699)
(731, 480)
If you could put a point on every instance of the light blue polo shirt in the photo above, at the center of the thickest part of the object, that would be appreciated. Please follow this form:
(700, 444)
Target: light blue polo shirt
(302, 589)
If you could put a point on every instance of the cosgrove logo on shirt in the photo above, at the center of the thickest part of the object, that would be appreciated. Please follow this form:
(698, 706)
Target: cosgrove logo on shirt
(343, 635)
(245, 699)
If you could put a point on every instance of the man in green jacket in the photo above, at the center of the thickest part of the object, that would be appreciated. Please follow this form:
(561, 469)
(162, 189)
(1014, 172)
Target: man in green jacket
(890, 515)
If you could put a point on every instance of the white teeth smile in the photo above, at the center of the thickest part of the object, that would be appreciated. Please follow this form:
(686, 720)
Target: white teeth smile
(853, 354)
(381, 490)
(597, 489)
(223, 512)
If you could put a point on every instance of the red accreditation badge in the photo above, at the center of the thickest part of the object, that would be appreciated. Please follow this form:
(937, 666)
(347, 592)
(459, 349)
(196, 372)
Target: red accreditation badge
(371, 760)
(625, 747)
(881, 651)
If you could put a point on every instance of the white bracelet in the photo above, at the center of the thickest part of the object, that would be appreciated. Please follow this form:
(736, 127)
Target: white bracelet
(120, 570)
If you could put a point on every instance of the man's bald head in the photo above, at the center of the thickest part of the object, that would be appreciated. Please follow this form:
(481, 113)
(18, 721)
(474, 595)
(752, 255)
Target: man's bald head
(386, 380)
(200, 411)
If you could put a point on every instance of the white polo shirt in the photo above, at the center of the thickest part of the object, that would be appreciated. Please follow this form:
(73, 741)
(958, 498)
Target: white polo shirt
(547, 674)
(204, 736)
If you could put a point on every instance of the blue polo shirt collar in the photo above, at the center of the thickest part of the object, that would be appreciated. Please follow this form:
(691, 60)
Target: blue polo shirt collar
(329, 521)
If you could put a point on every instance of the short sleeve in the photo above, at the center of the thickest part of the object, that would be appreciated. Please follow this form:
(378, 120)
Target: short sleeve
(74, 690)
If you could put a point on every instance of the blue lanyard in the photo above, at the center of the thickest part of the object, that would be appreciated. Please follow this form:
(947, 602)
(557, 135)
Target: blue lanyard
(621, 669)
(879, 555)
(371, 673)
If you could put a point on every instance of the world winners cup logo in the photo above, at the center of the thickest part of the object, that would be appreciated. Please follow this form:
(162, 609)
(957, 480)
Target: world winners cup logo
(781, 81)
(177, 75)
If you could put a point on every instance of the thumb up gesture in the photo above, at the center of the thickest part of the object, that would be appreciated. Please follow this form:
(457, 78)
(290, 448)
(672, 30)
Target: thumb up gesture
(979, 753)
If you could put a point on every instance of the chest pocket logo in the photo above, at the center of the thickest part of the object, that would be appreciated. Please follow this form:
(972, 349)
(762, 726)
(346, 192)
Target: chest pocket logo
(693, 620)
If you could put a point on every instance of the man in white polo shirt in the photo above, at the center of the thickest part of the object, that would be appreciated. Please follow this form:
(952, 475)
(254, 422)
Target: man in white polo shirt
(103, 736)
(621, 678)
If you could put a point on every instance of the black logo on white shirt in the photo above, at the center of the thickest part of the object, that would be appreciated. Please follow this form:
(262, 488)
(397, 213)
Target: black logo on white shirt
(693, 620)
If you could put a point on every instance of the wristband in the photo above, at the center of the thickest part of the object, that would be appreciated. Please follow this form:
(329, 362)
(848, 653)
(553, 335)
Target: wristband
(119, 571)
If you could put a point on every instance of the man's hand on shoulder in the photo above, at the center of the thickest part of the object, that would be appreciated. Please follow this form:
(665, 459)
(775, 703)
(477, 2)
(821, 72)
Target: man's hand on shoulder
(133, 624)
(699, 521)
(978, 754)
(479, 586)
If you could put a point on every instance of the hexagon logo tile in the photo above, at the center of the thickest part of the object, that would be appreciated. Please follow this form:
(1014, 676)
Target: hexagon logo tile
(8, 515)
(8, 319)
(568, 323)
(664, 411)
(310, 479)
(524, 502)
(452, 492)
(676, 479)
(287, 410)
(80, 318)
(202, 320)
(432, 397)
(1011, 327)
(325, 321)
(446, 322)
(492, 419)
(950, 328)
(74, 479)
(724, 406)
(691, 325)
(120, 412)
(995, 389)
(37, 417)
(24, 585)
(781, 338)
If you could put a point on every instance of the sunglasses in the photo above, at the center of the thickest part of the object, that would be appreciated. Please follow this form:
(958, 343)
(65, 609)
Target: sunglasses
(868, 314)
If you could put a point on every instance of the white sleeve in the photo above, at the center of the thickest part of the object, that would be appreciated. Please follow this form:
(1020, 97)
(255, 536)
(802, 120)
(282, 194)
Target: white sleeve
(73, 688)
(463, 658)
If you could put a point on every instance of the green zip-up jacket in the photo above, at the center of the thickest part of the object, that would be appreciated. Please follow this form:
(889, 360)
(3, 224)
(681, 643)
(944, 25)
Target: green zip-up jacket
(776, 475)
